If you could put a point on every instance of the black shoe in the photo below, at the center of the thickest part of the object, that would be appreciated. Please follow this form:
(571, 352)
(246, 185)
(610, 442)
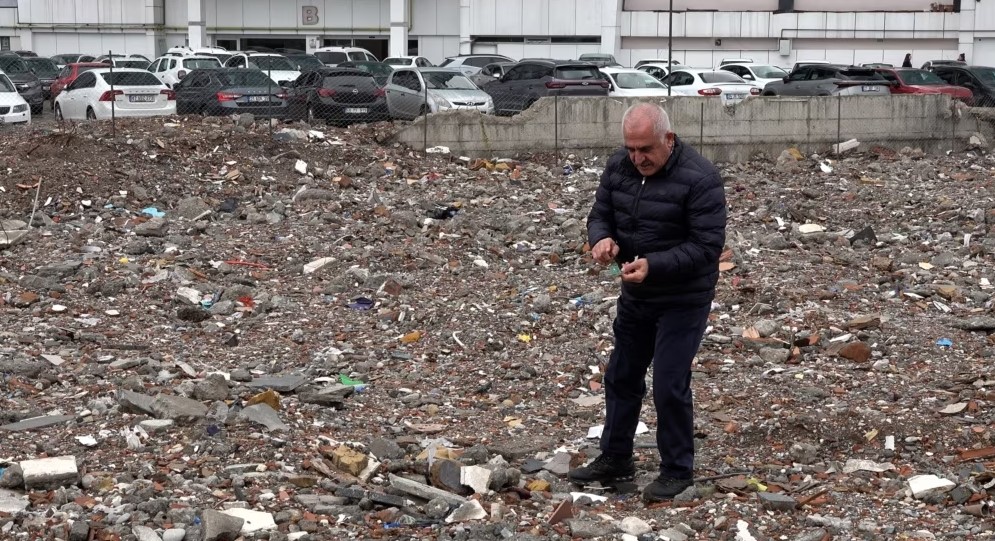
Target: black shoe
(665, 488)
(605, 469)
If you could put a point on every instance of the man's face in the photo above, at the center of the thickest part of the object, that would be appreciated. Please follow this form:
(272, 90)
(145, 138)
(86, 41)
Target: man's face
(647, 150)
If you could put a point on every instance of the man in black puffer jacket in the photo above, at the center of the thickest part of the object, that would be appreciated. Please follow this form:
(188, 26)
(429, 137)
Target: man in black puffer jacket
(660, 212)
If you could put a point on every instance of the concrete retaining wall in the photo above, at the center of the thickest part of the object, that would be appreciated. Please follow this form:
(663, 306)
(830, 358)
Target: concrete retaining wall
(727, 134)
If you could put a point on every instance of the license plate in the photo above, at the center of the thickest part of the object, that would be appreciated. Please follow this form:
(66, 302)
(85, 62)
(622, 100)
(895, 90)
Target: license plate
(256, 99)
(356, 110)
(870, 88)
(142, 98)
(737, 96)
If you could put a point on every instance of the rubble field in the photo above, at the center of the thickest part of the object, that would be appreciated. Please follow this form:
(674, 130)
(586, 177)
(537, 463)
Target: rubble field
(218, 329)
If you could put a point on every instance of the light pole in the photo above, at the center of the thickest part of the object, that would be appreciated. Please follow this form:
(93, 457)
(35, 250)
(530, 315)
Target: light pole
(670, 44)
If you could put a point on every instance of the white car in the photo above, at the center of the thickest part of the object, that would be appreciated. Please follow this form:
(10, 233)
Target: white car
(277, 67)
(172, 69)
(761, 74)
(632, 82)
(136, 93)
(658, 71)
(408, 61)
(13, 108)
(333, 56)
(661, 61)
(412, 92)
(731, 88)
(183, 50)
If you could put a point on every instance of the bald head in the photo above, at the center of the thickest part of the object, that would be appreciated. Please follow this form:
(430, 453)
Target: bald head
(648, 137)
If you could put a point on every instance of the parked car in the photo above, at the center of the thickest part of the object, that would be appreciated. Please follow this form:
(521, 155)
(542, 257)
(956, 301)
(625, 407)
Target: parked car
(490, 72)
(417, 91)
(333, 56)
(626, 82)
(136, 63)
(183, 50)
(408, 61)
(525, 83)
(136, 93)
(760, 74)
(62, 60)
(277, 67)
(379, 70)
(108, 57)
(930, 64)
(340, 96)
(980, 80)
(69, 73)
(727, 61)
(802, 63)
(172, 69)
(877, 65)
(27, 83)
(472, 63)
(26, 54)
(46, 71)
(660, 61)
(657, 71)
(830, 80)
(919, 81)
(304, 62)
(13, 108)
(225, 91)
(728, 87)
(600, 60)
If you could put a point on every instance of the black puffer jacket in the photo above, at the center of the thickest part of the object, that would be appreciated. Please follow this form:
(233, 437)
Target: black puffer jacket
(676, 219)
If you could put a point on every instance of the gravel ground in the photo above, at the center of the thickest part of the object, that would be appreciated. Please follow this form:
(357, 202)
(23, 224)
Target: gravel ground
(323, 328)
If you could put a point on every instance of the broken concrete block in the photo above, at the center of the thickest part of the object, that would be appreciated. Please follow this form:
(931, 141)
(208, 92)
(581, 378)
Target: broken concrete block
(424, 491)
(923, 486)
(349, 460)
(476, 477)
(49, 473)
(178, 408)
(254, 520)
(219, 526)
(471, 510)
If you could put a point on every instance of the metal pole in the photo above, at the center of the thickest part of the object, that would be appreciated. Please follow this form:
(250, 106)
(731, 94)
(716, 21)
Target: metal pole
(269, 98)
(110, 55)
(556, 127)
(839, 121)
(424, 120)
(670, 43)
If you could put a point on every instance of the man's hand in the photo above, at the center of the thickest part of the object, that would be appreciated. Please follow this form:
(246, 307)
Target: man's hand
(636, 271)
(604, 251)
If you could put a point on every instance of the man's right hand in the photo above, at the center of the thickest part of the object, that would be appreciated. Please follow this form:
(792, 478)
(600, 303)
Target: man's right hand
(604, 251)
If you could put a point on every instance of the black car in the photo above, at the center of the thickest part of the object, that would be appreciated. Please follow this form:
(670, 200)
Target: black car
(829, 80)
(980, 80)
(27, 83)
(379, 70)
(304, 62)
(225, 91)
(46, 70)
(340, 96)
(72, 58)
(530, 80)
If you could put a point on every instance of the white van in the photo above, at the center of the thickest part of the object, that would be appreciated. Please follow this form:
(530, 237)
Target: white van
(333, 56)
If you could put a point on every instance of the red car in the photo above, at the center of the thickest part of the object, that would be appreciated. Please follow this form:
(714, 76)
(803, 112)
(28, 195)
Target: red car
(919, 81)
(69, 74)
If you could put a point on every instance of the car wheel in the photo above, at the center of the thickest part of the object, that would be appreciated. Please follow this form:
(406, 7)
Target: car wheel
(91, 114)
(768, 93)
(58, 113)
(423, 110)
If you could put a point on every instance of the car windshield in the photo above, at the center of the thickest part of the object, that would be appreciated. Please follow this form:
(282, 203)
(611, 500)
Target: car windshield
(720, 77)
(636, 80)
(245, 78)
(200, 63)
(137, 64)
(920, 77)
(222, 57)
(131, 78)
(42, 66)
(987, 75)
(446, 62)
(769, 72)
(576, 73)
(13, 64)
(397, 61)
(272, 63)
(328, 57)
(307, 62)
(447, 81)
(335, 80)
(6, 85)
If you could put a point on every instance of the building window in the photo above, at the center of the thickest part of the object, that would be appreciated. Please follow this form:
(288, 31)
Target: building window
(4, 44)
(412, 47)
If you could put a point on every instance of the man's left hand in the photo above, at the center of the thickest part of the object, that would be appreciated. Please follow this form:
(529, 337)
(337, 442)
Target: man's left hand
(636, 271)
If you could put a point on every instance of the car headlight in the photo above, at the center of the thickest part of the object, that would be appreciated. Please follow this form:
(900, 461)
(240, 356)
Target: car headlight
(19, 108)
(441, 103)
(31, 84)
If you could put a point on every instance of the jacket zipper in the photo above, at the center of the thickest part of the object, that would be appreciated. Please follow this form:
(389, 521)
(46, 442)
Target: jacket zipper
(635, 218)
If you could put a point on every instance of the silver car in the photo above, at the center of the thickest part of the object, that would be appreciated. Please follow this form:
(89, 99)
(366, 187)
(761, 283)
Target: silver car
(412, 92)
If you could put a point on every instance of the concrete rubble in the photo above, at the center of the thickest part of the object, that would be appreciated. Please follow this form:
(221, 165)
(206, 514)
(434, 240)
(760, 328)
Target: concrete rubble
(407, 345)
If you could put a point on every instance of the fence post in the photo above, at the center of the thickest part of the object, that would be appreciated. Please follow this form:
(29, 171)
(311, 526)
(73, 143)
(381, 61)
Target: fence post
(701, 127)
(556, 128)
(839, 121)
(110, 58)
(424, 120)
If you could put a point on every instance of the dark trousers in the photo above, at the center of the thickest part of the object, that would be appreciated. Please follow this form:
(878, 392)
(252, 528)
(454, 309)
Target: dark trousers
(668, 338)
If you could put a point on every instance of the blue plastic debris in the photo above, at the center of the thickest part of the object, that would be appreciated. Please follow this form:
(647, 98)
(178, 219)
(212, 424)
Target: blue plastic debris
(568, 170)
(944, 343)
(361, 303)
(153, 212)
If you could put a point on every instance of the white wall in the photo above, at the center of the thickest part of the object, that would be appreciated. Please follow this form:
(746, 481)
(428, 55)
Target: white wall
(108, 12)
(772, 5)
(535, 17)
(283, 16)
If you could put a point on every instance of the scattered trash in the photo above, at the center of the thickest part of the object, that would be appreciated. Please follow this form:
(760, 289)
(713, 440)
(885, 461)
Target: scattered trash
(361, 303)
(945, 343)
(153, 212)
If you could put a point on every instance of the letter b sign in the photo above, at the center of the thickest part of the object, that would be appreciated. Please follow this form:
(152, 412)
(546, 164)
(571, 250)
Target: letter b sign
(309, 15)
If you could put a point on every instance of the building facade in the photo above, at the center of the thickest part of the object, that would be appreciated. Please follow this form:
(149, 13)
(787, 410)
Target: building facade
(702, 32)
